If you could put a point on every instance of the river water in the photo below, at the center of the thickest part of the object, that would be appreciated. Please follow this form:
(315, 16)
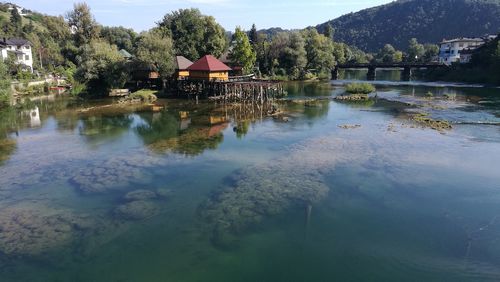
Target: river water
(329, 191)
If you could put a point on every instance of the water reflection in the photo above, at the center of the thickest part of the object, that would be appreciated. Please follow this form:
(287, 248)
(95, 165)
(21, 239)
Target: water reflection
(102, 129)
(192, 129)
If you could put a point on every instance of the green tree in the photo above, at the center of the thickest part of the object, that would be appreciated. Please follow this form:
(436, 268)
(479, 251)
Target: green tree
(388, 54)
(82, 21)
(398, 57)
(262, 52)
(295, 56)
(122, 37)
(275, 52)
(241, 51)
(340, 52)
(5, 89)
(431, 51)
(16, 22)
(329, 31)
(214, 38)
(194, 34)
(253, 35)
(320, 51)
(154, 48)
(101, 67)
(415, 51)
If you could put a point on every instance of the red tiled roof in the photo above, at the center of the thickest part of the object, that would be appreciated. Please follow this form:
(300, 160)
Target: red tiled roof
(209, 63)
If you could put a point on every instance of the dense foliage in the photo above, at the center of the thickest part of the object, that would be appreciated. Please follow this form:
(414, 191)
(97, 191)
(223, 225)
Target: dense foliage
(427, 20)
(4, 86)
(194, 34)
(155, 49)
(101, 66)
(123, 38)
(241, 51)
(85, 28)
(302, 54)
(359, 88)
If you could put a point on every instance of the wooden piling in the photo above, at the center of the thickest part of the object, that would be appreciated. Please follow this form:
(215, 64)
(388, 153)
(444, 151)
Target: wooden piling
(228, 92)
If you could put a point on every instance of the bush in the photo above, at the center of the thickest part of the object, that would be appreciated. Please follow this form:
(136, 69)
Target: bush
(359, 88)
(77, 89)
(144, 95)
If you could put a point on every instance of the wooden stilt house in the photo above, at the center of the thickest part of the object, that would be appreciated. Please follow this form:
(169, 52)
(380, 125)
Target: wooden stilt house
(209, 68)
(183, 64)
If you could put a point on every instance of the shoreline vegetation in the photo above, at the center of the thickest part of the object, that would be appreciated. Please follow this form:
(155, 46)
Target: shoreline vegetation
(92, 58)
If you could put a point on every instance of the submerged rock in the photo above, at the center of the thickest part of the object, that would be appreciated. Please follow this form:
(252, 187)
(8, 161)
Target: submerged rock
(140, 195)
(164, 192)
(136, 210)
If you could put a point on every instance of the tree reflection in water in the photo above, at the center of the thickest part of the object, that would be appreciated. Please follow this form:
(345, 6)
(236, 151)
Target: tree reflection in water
(192, 129)
(97, 129)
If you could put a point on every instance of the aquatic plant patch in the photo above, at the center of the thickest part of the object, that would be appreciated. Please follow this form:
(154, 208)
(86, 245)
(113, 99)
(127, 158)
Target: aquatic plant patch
(294, 181)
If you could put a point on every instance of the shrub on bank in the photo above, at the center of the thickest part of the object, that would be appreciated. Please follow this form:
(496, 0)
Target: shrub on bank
(359, 88)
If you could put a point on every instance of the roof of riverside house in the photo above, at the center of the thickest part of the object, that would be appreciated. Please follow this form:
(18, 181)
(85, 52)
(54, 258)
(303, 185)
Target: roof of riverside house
(15, 42)
(183, 63)
(125, 54)
(209, 63)
(462, 40)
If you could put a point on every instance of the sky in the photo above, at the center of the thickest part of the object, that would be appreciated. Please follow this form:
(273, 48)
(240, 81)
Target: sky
(143, 14)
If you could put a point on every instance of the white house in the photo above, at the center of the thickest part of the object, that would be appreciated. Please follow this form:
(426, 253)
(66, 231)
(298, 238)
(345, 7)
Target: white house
(20, 10)
(460, 49)
(20, 48)
(449, 50)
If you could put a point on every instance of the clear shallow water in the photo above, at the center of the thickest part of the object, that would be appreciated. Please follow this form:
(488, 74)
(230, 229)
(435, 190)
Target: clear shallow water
(231, 195)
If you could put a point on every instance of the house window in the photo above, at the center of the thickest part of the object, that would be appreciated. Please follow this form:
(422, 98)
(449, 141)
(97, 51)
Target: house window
(27, 57)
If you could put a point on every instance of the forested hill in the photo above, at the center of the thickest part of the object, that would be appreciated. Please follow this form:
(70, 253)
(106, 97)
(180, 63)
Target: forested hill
(427, 20)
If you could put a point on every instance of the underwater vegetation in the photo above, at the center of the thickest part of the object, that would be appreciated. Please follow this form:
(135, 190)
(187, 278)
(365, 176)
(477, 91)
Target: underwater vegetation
(7, 148)
(424, 120)
(35, 230)
(257, 192)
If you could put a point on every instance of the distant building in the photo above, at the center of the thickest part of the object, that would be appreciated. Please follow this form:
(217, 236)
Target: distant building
(181, 70)
(460, 49)
(21, 49)
(466, 55)
(20, 10)
(209, 68)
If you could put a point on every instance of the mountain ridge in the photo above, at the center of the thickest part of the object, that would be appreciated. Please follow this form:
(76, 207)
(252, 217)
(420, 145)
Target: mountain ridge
(429, 21)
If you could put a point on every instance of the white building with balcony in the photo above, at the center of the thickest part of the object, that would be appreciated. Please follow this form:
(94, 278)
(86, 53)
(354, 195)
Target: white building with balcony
(21, 49)
(450, 50)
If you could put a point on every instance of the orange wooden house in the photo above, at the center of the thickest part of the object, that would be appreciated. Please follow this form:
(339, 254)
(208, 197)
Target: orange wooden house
(182, 67)
(209, 68)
